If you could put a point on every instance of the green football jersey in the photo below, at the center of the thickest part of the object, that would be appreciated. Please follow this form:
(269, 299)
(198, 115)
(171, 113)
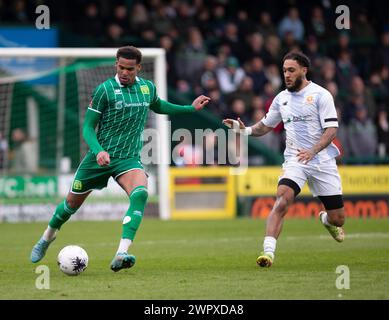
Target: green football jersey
(124, 111)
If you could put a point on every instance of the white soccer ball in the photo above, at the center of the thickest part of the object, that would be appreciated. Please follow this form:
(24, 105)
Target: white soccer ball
(72, 260)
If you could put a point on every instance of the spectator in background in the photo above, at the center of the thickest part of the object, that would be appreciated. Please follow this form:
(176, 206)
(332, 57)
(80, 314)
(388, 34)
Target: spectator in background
(273, 76)
(91, 24)
(312, 51)
(20, 12)
(139, 18)
(361, 28)
(255, 46)
(203, 21)
(238, 110)
(317, 23)
(24, 153)
(166, 43)
(257, 103)
(326, 73)
(191, 57)
(244, 24)
(185, 17)
(245, 91)
(362, 134)
(257, 74)
(218, 20)
(380, 92)
(380, 55)
(230, 76)
(358, 89)
(160, 21)
(266, 26)
(120, 17)
(272, 52)
(292, 24)
(216, 105)
(208, 78)
(342, 45)
(231, 37)
(114, 36)
(345, 70)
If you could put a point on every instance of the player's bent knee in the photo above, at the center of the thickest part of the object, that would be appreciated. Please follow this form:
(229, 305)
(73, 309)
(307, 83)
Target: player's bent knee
(281, 206)
(139, 194)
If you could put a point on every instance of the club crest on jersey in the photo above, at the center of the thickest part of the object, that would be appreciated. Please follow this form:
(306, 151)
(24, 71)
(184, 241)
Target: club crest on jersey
(77, 185)
(145, 89)
(309, 100)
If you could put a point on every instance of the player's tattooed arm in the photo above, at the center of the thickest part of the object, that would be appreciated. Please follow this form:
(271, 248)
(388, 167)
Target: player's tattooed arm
(259, 129)
(327, 137)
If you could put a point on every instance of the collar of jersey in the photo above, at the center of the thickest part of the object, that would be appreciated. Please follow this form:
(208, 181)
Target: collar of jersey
(120, 85)
(302, 91)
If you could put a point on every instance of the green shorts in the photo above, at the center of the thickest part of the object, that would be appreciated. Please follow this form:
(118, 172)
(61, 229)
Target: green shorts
(90, 176)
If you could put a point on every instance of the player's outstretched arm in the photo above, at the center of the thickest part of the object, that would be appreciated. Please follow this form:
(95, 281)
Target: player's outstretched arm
(165, 107)
(258, 129)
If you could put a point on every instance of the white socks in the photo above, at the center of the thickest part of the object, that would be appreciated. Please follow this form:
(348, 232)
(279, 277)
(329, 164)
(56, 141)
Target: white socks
(49, 234)
(324, 219)
(124, 245)
(269, 245)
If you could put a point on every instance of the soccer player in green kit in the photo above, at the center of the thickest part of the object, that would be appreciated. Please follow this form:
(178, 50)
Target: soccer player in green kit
(120, 106)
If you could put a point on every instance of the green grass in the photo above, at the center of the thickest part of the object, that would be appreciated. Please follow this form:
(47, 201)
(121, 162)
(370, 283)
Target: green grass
(202, 260)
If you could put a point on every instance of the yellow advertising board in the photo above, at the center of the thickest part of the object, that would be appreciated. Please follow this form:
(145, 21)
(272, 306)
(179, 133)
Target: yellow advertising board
(355, 180)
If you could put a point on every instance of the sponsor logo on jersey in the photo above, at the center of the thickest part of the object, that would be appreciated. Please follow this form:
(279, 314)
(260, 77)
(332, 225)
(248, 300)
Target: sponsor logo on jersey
(118, 91)
(120, 104)
(145, 89)
(298, 118)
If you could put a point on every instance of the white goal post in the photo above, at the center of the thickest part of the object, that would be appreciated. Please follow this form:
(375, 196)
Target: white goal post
(159, 77)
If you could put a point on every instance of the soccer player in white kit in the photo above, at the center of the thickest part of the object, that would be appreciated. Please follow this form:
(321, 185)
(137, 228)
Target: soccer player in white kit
(309, 116)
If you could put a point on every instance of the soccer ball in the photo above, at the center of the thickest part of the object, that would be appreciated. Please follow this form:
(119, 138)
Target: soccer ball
(72, 260)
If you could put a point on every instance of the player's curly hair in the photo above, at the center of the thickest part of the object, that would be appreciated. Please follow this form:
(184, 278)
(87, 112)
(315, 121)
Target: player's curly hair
(129, 52)
(298, 56)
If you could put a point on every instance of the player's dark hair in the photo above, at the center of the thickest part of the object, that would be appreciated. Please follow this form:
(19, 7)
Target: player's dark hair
(300, 57)
(129, 52)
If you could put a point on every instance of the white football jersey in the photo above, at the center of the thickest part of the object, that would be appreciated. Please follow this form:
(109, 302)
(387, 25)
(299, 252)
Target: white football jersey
(305, 115)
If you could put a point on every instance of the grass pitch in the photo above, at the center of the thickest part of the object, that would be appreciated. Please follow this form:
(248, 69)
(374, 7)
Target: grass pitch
(202, 260)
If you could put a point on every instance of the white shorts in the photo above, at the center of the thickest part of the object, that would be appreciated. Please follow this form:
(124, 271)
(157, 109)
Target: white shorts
(323, 179)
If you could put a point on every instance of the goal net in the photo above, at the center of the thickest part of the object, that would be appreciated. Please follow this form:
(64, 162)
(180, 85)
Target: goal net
(44, 94)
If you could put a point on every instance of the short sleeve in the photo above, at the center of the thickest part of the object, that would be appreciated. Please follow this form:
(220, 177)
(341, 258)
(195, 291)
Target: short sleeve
(273, 116)
(327, 111)
(99, 99)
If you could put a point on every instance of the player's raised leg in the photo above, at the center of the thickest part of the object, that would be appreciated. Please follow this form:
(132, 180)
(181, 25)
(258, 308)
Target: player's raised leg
(134, 182)
(285, 197)
(333, 218)
(62, 214)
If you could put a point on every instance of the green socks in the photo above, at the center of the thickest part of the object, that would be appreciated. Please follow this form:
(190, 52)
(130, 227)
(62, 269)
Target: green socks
(134, 215)
(61, 215)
